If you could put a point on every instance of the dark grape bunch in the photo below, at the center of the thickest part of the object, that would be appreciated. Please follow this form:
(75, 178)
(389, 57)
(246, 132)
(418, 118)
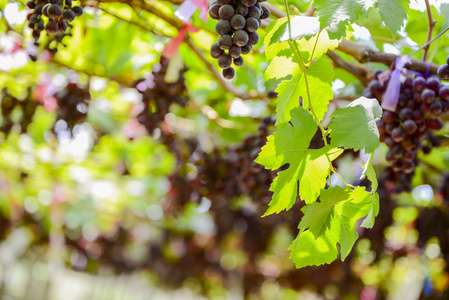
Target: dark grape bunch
(10, 106)
(234, 174)
(73, 102)
(52, 16)
(409, 128)
(238, 21)
(158, 95)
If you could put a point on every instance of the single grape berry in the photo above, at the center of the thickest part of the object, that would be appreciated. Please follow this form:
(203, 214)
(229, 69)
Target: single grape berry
(375, 87)
(434, 124)
(249, 3)
(251, 25)
(68, 15)
(444, 93)
(31, 4)
(238, 22)
(253, 38)
(419, 84)
(410, 127)
(433, 83)
(428, 96)
(78, 10)
(443, 72)
(246, 49)
(51, 27)
(38, 9)
(228, 73)
(223, 27)
(45, 10)
(254, 12)
(405, 113)
(436, 108)
(225, 42)
(235, 51)
(62, 26)
(213, 11)
(265, 13)
(238, 61)
(242, 10)
(215, 51)
(226, 12)
(240, 38)
(54, 11)
(224, 61)
(398, 134)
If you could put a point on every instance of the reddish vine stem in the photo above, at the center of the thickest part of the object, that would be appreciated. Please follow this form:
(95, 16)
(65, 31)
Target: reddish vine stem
(430, 29)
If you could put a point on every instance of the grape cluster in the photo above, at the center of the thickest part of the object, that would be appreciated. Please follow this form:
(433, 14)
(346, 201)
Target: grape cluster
(409, 128)
(73, 102)
(238, 21)
(236, 173)
(11, 107)
(158, 95)
(57, 13)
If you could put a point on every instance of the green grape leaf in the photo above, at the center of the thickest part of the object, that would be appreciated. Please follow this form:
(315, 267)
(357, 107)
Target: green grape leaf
(281, 67)
(275, 50)
(319, 81)
(301, 27)
(373, 212)
(335, 15)
(355, 126)
(444, 7)
(393, 14)
(368, 170)
(321, 47)
(306, 47)
(289, 145)
(319, 78)
(328, 222)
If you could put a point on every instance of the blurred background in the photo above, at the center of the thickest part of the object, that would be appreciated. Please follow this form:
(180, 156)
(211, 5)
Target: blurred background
(124, 175)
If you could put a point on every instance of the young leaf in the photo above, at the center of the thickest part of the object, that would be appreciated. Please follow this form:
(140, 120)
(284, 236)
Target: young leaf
(289, 145)
(393, 14)
(328, 222)
(319, 77)
(355, 127)
(321, 47)
(336, 14)
(281, 67)
(368, 170)
(301, 27)
(373, 212)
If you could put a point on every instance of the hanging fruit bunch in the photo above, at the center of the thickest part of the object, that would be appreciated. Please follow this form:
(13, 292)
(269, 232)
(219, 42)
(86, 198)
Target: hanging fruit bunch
(238, 22)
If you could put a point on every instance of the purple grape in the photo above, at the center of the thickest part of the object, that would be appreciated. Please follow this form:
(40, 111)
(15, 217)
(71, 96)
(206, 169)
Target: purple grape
(419, 84)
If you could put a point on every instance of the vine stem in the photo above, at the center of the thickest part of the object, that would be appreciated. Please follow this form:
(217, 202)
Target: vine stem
(429, 31)
(303, 67)
(429, 42)
(314, 48)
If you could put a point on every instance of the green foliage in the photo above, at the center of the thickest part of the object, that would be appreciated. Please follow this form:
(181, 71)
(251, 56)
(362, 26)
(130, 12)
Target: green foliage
(336, 15)
(328, 222)
(393, 14)
(354, 127)
(289, 145)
